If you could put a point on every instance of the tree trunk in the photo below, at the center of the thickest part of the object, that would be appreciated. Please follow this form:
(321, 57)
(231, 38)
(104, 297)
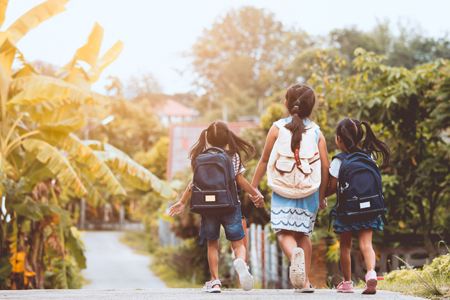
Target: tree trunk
(429, 244)
(35, 254)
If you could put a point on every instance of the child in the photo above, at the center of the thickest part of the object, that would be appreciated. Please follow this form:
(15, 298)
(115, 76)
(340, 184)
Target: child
(293, 217)
(349, 138)
(219, 135)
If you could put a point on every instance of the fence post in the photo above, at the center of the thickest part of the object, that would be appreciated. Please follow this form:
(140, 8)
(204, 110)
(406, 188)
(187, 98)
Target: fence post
(284, 272)
(259, 251)
(266, 266)
(273, 263)
(253, 255)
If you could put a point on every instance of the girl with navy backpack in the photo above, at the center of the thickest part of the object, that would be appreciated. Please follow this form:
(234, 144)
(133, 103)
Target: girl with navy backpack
(356, 179)
(296, 161)
(218, 168)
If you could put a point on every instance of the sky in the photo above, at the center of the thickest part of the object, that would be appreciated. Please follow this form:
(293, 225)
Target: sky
(157, 33)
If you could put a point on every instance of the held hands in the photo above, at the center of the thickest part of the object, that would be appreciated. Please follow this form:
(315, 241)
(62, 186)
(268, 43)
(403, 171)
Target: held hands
(176, 209)
(323, 204)
(258, 200)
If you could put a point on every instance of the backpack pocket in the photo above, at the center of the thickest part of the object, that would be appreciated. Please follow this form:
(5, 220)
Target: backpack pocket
(210, 201)
(363, 208)
(285, 175)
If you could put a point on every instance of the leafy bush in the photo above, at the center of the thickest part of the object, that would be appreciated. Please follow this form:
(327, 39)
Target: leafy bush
(432, 281)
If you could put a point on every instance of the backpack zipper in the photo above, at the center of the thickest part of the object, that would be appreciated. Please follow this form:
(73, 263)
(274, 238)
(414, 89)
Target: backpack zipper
(209, 191)
(210, 206)
(357, 198)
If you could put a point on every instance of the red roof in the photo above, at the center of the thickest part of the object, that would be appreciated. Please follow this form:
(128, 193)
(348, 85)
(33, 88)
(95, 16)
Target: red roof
(171, 108)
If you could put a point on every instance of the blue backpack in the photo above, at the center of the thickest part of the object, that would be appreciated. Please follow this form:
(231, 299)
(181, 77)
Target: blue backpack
(359, 195)
(214, 184)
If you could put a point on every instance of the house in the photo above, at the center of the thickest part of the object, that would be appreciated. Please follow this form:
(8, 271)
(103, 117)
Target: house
(173, 112)
(183, 136)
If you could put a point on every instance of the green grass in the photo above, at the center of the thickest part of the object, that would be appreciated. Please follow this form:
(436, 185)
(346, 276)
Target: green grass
(137, 241)
(432, 281)
(171, 278)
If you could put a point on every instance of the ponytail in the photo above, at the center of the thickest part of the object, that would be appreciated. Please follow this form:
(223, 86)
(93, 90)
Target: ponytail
(218, 134)
(197, 148)
(351, 132)
(297, 128)
(375, 146)
(300, 100)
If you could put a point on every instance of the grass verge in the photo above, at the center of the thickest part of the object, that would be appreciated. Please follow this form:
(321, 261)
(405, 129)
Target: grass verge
(432, 281)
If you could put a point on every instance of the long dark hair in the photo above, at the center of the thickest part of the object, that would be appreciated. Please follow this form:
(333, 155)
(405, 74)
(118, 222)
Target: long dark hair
(300, 100)
(218, 134)
(351, 132)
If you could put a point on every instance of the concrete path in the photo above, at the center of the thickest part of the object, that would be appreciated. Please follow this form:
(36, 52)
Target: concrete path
(188, 294)
(113, 265)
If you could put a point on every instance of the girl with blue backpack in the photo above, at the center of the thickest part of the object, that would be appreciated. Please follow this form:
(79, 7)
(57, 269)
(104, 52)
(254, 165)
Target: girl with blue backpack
(295, 158)
(356, 179)
(218, 168)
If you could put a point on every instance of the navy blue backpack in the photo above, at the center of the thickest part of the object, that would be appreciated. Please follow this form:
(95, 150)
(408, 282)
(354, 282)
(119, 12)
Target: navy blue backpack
(214, 184)
(359, 195)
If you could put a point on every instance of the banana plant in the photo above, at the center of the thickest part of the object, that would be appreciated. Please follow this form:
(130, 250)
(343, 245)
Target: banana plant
(41, 159)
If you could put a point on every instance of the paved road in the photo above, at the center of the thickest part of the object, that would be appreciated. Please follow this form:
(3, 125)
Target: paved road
(112, 265)
(188, 294)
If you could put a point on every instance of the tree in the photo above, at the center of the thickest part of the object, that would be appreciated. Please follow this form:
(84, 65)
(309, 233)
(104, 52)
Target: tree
(409, 108)
(408, 49)
(243, 58)
(44, 166)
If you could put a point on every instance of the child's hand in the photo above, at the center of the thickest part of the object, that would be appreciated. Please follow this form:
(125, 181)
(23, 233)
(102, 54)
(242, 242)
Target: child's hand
(176, 209)
(260, 203)
(323, 204)
(257, 200)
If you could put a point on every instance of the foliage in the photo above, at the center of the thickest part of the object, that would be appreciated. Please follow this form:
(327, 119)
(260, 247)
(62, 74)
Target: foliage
(408, 49)
(403, 106)
(45, 168)
(155, 160)
(135, 127)
(243, 58)
(431, 281)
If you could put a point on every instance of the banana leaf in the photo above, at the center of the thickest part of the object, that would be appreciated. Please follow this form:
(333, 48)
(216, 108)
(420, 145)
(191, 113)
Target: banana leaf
(65, 126)
(94, 197)
(76, 246)
(35, 16)
(133, 173)
(5, 267)
(110, 56)
(56, 163)
(3, 6)
(7, 168)
(36, 211)
(51, 93)
(86, 156)
(7, 54)
(89, 52)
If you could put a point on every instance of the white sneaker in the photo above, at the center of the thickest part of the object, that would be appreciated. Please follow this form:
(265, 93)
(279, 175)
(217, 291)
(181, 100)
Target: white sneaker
(297, 270)
(245, 279)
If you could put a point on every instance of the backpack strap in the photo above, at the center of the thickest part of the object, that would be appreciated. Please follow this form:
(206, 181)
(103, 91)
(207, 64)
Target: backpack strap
(383, 218)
